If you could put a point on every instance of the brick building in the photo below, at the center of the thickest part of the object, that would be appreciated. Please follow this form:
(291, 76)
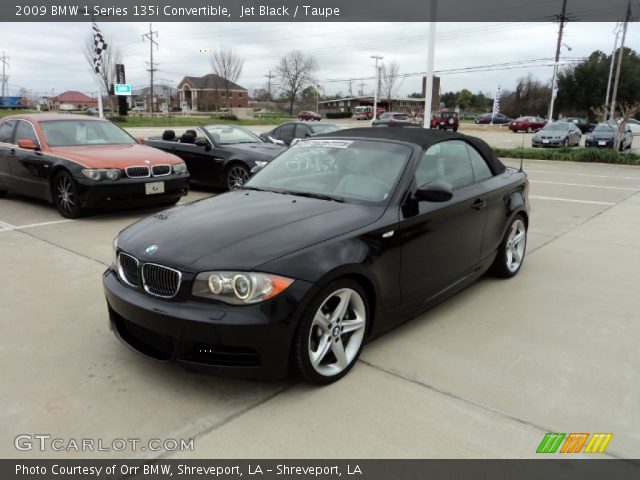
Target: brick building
(209, 93)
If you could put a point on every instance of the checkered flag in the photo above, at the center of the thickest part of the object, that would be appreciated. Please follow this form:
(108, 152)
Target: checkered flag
(99, 47)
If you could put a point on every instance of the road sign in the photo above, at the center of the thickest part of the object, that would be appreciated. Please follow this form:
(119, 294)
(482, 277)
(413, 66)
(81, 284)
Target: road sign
(122, 89)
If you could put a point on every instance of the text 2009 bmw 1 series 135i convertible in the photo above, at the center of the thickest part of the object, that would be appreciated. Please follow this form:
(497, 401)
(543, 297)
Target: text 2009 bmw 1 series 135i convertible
(337, 240)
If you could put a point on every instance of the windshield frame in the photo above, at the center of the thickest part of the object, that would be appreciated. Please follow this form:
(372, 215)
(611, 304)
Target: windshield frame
(42, 123)
(412, 152)
(205, 130)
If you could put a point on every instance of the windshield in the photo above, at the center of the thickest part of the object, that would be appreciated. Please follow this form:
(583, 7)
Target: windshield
(360, 109)
(354, 171)
(324, 128)
(556, 127)
(229, 135)
(603, 127)
(64, 133)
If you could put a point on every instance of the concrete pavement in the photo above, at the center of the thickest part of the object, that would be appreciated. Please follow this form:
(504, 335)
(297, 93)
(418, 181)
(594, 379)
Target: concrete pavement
(486, 374)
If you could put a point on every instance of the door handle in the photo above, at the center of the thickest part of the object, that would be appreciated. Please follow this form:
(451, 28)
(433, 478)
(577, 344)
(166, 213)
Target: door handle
(478, 204)
(12, 151)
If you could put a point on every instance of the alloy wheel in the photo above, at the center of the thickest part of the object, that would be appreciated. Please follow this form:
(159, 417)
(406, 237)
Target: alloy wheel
(65, 195)
(237, 177)
(515, 246)
(337, 332)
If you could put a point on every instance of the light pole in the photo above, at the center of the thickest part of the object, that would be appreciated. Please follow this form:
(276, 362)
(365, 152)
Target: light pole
(428, 88)
(613, 61)
(375, 95)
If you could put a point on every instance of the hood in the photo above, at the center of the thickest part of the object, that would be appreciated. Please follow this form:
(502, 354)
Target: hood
(257, 151)
(241, 230)
(602, 134)
(114, 156)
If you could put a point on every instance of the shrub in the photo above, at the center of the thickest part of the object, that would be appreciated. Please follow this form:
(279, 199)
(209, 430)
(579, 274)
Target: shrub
(571, 155)
(338, 115)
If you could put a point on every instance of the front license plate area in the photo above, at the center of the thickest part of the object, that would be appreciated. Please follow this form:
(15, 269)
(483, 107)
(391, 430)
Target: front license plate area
(154, 188)
(602, 143)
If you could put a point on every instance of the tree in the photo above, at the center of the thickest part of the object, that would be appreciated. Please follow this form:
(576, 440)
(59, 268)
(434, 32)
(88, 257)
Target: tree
(583, 86)
(530, 97)
(416, 95)
(295, 71)
(389, 80)
(227, 64)
(110, 57)
(260, 95)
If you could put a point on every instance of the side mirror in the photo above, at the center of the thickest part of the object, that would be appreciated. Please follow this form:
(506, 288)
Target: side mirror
(435, 192)
(27, 144)
(140, 140)
(294, 141)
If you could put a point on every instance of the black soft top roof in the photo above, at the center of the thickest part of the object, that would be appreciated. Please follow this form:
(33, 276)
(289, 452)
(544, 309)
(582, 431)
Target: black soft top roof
(422, 137)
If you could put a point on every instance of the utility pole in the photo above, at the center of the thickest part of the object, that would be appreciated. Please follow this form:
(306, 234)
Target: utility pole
(350, 88)
(613, 61)
(428, 89)
(269, 77)
(5, 64)
(150, 36)
(375, 94)
(563, 19)
(614, 95)
(362, 88)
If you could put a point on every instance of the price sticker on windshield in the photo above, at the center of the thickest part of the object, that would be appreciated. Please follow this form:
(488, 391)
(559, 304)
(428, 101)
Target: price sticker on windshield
(324, 143)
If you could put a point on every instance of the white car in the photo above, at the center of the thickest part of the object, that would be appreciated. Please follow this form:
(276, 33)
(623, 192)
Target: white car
(634, 125)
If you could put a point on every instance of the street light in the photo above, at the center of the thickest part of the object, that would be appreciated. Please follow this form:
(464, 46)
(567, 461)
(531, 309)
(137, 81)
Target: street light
(375, 95)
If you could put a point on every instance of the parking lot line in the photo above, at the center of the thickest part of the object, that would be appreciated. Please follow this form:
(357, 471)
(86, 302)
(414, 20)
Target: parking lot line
(633, 189)
(573, 200)
(7, 227)
(553, 172)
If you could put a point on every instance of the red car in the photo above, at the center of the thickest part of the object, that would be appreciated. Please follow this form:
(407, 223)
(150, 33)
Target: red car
(527, 124)
(308, 115)
(79, 162)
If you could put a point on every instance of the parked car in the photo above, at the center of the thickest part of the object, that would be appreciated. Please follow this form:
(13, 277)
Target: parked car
(557, 134)
(340, 238)
(582, 123)
(218, 155)
(499, 119)
(445, 120)
(79, 162)
(634, 125)
(603, 136)
(393, 117)
(527, 124)
(365, 112)
(288, 131)
(310, 116)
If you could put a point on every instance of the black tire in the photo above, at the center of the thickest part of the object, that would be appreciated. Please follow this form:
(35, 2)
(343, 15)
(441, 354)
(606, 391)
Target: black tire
(308, 332)
(501, 265)
(566, 143)
(3, 193)
(67, 205)
(455, 129)
(236, 173)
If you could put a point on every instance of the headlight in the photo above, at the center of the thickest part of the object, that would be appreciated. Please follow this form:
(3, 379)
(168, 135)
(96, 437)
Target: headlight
(239, 288)
(99, 174)
(261, 164)
(180, 168)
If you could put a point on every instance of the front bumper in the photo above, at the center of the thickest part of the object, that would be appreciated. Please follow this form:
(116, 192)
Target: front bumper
(252, 341)
(551, 143)
(129, 192)
(599, 143)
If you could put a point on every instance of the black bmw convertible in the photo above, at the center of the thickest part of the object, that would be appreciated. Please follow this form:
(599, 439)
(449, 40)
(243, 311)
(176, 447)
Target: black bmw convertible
(337, 240)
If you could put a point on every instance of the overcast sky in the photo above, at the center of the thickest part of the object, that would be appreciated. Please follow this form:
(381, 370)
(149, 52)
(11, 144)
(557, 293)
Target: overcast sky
(51, 55)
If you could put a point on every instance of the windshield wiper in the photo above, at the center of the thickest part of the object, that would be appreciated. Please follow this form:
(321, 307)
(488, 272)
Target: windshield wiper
(320, 196)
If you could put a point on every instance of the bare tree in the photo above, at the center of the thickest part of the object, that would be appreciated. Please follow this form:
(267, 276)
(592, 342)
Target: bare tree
(389, 84)
(110, 57)
(295, 72)
(227, 64)
(627, 111)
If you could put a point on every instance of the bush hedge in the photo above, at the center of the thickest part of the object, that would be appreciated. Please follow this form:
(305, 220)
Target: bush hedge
(595, 155)
(338, 115)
